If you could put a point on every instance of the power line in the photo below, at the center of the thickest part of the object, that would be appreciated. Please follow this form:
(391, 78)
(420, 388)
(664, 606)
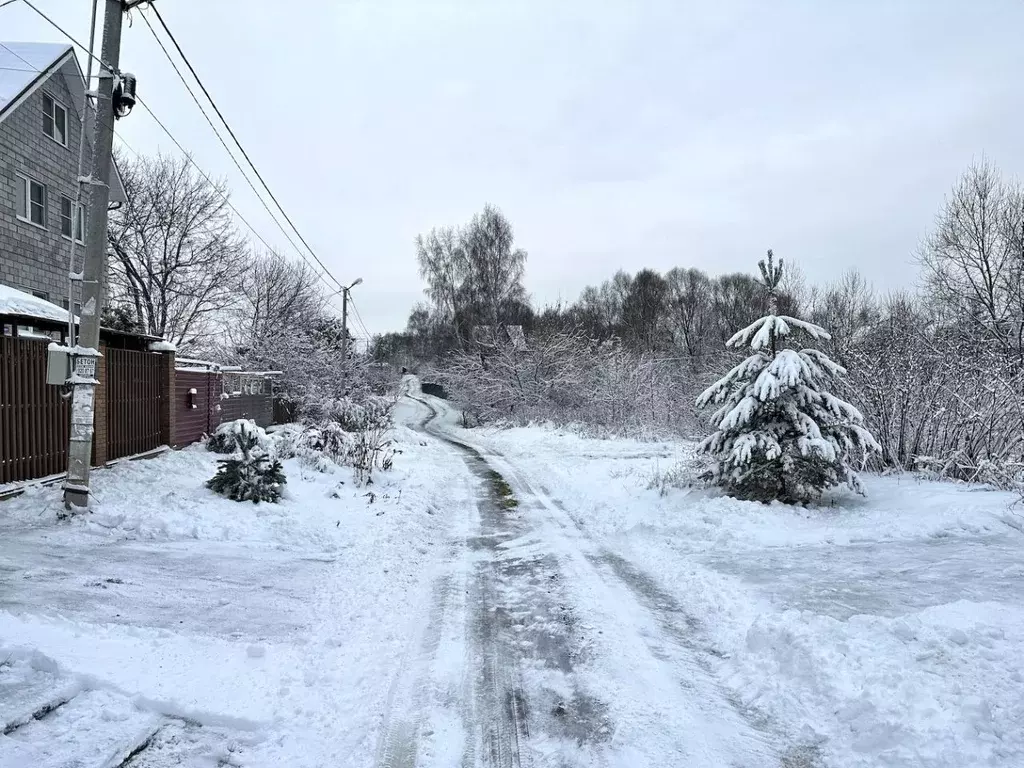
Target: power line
(238, 144)
(188, 157)
(223, 143)
(15, 53)
(60, 29)
(202, 173)
(359, 318)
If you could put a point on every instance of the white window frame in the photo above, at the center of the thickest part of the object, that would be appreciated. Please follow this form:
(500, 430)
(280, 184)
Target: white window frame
(77, 222)
(52, 115)
(25, 214)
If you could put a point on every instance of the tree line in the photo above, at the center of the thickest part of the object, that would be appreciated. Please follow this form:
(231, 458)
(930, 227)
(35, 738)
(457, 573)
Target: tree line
(938, 370)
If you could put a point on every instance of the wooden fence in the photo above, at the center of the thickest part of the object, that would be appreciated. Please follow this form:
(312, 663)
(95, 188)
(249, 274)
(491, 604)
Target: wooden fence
(142, 403)
(34, 418)
(135, 390)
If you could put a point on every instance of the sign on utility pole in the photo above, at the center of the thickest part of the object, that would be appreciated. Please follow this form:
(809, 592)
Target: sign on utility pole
(97, 186)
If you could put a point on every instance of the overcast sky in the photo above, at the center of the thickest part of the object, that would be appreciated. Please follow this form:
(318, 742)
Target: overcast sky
(614, 135)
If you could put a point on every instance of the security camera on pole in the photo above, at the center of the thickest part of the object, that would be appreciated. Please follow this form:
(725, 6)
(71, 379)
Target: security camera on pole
(115, 96)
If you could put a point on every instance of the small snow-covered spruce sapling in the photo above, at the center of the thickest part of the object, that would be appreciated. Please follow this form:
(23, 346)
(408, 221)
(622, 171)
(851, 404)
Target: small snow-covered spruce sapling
(779, 432)
(251, 474)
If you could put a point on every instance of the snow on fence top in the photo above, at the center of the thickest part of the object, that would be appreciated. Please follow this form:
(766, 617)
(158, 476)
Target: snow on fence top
(21, 304)
(192, 364)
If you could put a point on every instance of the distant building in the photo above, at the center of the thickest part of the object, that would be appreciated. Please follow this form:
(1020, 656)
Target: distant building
(42, 91)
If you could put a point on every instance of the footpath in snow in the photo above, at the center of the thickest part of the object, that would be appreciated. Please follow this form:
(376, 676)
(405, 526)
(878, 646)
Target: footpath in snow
(886, 631)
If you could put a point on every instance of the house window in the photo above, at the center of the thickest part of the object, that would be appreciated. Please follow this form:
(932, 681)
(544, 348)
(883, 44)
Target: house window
(30, 200)
(55, 120)
(78, 306)
(66, 206)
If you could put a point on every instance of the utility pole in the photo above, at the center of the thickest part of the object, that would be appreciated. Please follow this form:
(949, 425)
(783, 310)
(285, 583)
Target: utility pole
(344, 320)
(97, 186)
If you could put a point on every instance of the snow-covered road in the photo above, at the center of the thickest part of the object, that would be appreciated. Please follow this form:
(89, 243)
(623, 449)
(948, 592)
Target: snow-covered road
(508, 598)
(573, 656)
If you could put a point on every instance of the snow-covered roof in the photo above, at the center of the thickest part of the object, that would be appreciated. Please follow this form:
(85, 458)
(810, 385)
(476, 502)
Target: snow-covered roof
(21, 304)
(22, 63)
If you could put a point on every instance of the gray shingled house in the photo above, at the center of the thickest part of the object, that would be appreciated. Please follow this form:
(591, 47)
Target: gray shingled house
(42, 90)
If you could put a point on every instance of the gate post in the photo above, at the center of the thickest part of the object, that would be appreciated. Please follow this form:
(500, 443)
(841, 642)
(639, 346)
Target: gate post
(102, 428)
(168, 415)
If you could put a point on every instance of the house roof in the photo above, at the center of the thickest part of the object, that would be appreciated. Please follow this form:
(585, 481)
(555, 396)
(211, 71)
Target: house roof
(21, 305)
(15, 303)
(21, 64)
(24, 67)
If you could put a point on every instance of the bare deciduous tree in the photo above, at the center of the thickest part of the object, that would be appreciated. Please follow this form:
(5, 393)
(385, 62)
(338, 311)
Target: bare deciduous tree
(972, 262)
(474, 274)
(277, 296)
(177, 254)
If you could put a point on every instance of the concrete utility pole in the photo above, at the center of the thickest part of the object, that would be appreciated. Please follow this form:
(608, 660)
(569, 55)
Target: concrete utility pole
(83, 378)
(344, 319)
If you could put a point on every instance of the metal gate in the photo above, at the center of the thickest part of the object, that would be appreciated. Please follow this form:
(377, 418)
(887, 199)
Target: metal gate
(136, 389)
(34, 418)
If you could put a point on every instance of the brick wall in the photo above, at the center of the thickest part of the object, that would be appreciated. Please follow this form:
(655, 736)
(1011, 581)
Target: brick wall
(168, 413)
(31, 257)
(99, 437)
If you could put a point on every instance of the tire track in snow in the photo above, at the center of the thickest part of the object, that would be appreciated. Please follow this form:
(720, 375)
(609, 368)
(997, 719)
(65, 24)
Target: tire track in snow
(517, 615)
(405, 710)
(754, 739)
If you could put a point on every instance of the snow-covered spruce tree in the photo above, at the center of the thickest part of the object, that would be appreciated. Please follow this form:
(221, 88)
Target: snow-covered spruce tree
(251, 474)
(780, 434)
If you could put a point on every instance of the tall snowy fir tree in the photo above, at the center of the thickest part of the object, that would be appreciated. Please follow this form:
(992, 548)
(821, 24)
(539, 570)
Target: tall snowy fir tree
(780, 433)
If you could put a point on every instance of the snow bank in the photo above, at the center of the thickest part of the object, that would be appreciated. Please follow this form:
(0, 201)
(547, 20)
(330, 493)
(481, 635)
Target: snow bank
(938, 687)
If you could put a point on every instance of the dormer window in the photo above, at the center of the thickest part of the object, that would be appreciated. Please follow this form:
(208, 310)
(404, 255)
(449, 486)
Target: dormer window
(55, 120)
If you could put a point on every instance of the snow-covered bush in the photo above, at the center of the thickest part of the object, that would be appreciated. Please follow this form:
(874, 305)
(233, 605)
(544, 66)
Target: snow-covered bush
(779, 432)
(349, 434)
(568, 379)
(250, 475)
(225, 439)
(285, 440)
(327, 440)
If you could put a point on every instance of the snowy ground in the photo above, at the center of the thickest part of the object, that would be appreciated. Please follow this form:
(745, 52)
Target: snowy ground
(887, 631)
(277, 628)
(508, 599)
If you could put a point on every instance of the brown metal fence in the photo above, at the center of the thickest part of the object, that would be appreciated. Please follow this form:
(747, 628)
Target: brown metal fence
(136, 384)
(34, 418)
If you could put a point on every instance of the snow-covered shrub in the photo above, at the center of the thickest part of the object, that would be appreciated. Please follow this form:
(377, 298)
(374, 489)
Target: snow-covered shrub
(225, 438)
(327, 440)
(567, 379)
(350, 434)
(250, 475)
(285, 440)
(779, 432)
